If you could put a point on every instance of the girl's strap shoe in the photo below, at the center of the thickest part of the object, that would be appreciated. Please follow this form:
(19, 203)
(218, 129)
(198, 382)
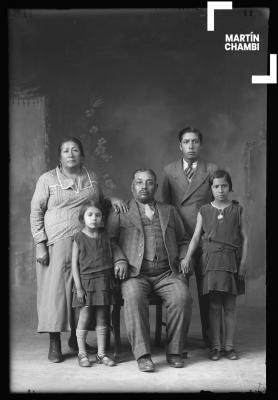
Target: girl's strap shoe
(105, 360)
(83, 360)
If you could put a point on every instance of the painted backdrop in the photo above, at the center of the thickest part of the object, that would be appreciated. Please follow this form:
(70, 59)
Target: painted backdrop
(125, 82)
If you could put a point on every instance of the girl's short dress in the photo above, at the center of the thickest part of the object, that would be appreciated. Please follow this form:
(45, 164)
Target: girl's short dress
(221, 249)
(96, 272)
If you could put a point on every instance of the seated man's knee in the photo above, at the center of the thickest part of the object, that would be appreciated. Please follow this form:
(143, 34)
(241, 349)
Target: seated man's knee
(182, 298)
(134, 298)
(133, 295)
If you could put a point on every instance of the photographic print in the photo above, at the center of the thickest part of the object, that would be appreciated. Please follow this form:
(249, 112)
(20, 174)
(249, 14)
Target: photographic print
(138, 198)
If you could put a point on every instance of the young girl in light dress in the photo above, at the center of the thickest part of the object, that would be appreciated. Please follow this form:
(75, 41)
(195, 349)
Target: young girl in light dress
(221, 228)
(93, 281)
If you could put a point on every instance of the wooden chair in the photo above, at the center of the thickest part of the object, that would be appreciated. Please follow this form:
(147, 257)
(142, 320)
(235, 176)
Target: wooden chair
(115, 317)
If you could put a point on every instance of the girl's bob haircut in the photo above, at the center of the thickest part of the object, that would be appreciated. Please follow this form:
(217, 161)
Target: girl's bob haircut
(220, 173)
(86, 205)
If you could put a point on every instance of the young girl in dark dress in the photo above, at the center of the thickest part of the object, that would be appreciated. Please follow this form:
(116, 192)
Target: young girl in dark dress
(224, 245)
(93, 277)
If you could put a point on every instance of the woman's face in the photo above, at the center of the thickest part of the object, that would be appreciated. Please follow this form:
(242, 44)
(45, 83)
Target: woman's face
(70, 155)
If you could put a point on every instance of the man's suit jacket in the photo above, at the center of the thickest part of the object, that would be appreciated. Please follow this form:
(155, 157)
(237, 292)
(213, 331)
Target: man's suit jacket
(187, 197)
(127, 236)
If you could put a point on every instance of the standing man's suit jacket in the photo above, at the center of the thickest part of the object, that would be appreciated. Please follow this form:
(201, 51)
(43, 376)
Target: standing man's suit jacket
(127, 236)
(187, 197)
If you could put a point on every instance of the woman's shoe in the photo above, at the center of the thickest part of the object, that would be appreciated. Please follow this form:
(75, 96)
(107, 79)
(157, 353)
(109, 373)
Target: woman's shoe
(83, 360)
(105, 360)
(54, 353)
(231, 354)
(214, 355)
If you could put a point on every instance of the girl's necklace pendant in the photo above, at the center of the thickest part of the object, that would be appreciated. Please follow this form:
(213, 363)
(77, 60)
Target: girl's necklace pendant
(220, 215)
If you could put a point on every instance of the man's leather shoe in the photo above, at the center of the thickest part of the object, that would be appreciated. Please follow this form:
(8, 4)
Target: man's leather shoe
(231, 354)
(175, 360)
(214, 354)
(145, 364)
(106, 360)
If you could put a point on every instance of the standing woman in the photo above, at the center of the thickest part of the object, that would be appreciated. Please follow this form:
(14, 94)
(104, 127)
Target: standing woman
(55, 206)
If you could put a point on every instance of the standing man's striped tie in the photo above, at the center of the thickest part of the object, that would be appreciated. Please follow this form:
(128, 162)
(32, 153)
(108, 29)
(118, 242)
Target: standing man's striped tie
(189, 170)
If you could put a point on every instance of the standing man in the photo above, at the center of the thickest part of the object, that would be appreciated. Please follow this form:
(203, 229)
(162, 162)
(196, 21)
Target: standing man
(186, 186)
(149, 245)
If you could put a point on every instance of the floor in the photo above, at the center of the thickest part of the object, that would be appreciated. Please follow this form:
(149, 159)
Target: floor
(30, 370)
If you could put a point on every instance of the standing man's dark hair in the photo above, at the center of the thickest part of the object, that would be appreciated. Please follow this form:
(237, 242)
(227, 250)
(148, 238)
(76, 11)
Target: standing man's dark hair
(192, 130)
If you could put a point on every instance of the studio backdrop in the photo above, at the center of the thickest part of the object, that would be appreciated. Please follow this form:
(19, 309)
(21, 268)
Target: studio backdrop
(125, 82)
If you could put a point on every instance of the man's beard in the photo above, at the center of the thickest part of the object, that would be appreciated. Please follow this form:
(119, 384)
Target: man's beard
(145, 200)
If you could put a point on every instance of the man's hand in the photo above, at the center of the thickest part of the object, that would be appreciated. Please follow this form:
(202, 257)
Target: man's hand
(242, 271)
(42, 255)
(120, 270)
(119, 205)
(186, 266)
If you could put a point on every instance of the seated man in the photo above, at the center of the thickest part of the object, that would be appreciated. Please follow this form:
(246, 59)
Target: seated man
(148, 244)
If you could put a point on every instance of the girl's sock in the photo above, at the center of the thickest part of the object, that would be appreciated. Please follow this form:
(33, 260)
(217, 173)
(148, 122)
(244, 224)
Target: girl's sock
(101, 332)
(81, 335)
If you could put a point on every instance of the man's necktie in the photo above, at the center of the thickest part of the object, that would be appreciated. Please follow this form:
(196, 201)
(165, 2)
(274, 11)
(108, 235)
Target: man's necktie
(189, 170)
(149, 211)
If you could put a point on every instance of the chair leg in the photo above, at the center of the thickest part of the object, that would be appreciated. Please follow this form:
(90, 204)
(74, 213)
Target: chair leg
(116, 313)
(158, 324)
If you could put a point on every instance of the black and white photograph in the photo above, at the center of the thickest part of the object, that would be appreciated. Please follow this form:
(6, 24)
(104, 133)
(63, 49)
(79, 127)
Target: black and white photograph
(137, 143)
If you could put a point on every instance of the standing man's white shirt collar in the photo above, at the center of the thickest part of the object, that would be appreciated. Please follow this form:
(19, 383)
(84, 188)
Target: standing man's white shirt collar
(185, 164)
